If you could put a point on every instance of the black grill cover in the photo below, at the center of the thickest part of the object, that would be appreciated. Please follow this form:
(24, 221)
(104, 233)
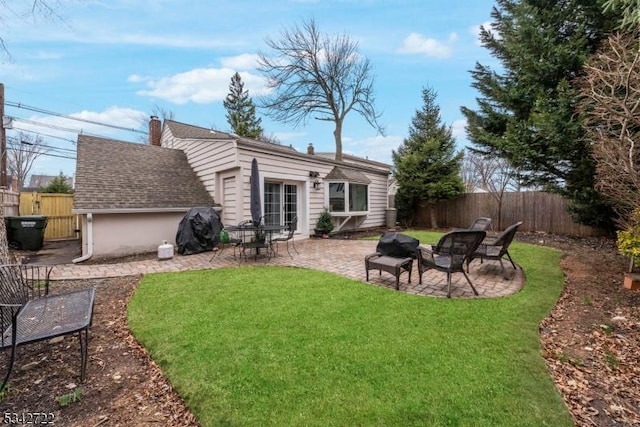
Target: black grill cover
(397, 245)
(198, 231)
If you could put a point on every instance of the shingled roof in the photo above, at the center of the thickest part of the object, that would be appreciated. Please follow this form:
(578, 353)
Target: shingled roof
(346, 174)
(114, 174)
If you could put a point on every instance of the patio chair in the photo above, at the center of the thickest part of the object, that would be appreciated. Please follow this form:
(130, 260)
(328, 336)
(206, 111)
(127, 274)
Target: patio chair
(287, 238)
(481, 224)
(229, 241)
(450, 254)
(28, 313)
(496, 249)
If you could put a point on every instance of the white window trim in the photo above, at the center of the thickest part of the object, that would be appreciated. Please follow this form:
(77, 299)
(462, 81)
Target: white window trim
(346, 212)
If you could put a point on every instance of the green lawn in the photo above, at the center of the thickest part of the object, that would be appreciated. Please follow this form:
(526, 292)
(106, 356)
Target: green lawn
(278, 346)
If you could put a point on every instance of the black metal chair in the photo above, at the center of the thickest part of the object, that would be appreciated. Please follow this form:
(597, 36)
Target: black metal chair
(450, 254)
(28, 313)
(223, 243)
(293, 226)
(496, 249)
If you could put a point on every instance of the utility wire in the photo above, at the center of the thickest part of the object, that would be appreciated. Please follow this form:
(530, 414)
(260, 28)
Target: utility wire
(52, 113)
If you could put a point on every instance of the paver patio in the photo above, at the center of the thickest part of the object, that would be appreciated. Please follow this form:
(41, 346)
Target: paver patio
(343, 257)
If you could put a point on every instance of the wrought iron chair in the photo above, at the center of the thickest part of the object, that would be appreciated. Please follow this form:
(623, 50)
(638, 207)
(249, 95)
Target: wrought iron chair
(254, 238)
(497, 248)
(450, 254)
(293, 226)
(228, 241)
(28, 313)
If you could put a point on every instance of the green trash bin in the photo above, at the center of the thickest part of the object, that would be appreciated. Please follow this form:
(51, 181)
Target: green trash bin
(26, 232)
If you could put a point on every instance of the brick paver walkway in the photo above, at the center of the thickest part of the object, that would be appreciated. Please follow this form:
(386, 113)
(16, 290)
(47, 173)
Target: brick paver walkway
(343, 257)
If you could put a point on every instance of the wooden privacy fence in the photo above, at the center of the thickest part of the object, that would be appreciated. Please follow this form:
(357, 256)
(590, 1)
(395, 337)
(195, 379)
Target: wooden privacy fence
(538, 210)
(10, 202)
(61, 223)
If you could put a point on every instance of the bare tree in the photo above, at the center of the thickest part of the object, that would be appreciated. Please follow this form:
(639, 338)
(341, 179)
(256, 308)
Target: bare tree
(311, 73)
(22, 155)
(470, 176)
(492, 174)
(24, 11)
(611, 108)
(162, 113)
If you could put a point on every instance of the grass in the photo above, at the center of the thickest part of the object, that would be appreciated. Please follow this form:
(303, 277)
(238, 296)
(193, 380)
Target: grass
(279, 346)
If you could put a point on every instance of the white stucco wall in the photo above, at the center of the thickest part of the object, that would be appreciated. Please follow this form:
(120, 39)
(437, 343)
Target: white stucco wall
(123, 234)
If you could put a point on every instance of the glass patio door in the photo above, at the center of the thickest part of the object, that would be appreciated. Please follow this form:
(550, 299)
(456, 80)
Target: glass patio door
(280, 203)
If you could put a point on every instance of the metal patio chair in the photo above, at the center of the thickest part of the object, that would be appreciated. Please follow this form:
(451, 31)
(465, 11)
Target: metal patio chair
(293, 226)
(28, 313)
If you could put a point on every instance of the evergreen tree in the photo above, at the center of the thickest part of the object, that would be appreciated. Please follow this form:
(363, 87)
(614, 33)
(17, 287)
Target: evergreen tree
(241, 111)
(527, 111)
(57, 185)
(427, 166)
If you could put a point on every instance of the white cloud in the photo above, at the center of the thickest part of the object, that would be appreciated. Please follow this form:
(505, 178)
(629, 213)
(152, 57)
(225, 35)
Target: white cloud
(200, 85)
(458, 129)
(416, 43)
(475, 31)
(246, 61)
(376, 148)
(62, 127)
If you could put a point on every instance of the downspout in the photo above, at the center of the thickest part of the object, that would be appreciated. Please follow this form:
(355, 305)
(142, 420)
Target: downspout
(89, 253)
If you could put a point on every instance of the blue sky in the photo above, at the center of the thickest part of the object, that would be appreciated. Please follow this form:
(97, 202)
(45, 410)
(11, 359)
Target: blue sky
(114, 61)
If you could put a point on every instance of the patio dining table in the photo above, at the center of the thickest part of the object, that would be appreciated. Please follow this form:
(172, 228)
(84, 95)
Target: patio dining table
(247, 234)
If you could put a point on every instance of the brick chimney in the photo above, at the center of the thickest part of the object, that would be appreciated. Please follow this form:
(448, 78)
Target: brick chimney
(310, 149)
(155, 130)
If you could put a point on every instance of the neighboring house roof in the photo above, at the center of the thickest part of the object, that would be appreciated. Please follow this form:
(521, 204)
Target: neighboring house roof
(340, 173)
(114, 174)
(38, 181)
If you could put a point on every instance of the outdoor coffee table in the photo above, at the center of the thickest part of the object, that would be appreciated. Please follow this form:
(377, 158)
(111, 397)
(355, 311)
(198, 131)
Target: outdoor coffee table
(389, 264)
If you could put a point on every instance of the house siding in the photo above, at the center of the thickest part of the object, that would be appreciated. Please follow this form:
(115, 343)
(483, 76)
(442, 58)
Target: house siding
(224, 166)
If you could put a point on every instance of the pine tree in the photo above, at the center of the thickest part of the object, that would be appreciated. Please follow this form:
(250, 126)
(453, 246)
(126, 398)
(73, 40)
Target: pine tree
(427, 166)
(527, 111)
(57, 185)
(241, 111)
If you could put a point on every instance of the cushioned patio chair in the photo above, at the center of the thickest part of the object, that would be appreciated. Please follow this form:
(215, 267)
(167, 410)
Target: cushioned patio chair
(287, 238)
(450, 254)
(497, 248)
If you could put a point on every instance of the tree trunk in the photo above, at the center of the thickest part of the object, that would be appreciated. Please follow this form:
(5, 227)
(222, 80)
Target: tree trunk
(434, 219)
(337, 134)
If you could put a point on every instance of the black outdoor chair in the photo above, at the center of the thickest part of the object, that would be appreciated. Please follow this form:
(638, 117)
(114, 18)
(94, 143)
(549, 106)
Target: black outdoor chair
(481, 224)
(496, 249)
(287, 238)
(28, 313)
(233, 242)
(450, 254)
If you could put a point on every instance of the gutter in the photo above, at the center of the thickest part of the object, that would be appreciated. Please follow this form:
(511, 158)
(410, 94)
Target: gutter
(89, 253)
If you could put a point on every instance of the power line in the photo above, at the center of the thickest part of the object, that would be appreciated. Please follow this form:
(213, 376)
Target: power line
(43, 134)
(65, 116)
(46, 147)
